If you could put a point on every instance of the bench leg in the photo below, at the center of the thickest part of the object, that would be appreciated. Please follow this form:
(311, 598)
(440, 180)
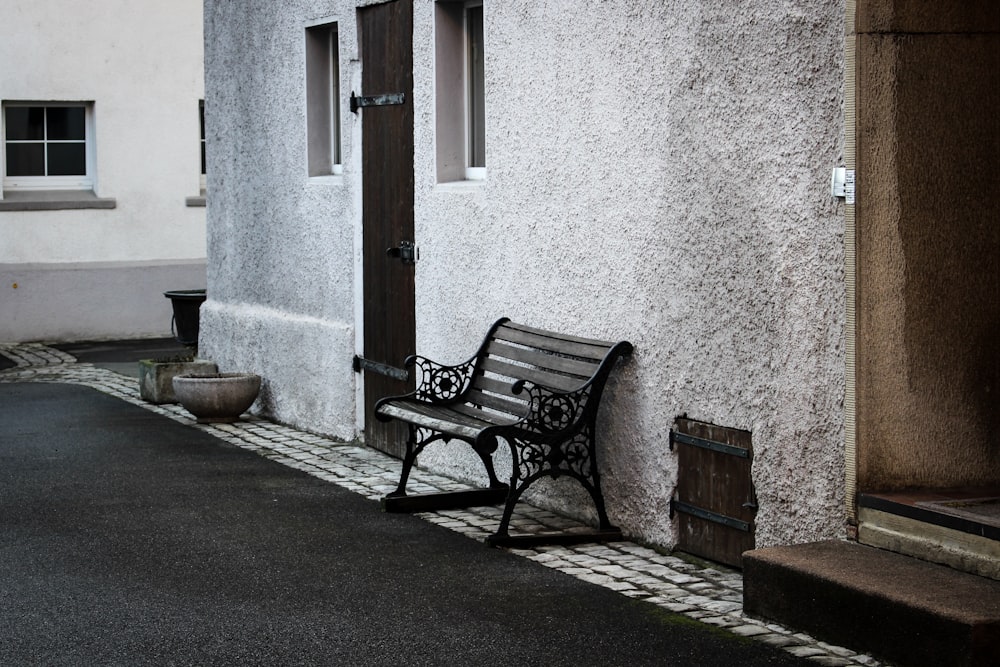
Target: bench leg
(400, 501)
(531, 460)
(445, 500)
(487, 459)
(412, 450)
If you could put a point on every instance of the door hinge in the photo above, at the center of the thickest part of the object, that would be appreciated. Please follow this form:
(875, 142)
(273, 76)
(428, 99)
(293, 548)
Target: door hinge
(677, 438)
(708, 515)
(362, 364)
(386, 99)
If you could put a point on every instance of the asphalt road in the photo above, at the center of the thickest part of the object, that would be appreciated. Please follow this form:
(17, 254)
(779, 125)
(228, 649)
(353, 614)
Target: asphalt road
(131, 539)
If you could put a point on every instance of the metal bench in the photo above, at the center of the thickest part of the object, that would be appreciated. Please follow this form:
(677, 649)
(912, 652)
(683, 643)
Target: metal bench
(539, 392)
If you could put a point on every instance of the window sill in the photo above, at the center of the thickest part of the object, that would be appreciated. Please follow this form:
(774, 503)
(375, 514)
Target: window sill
(326, 179)
(198, 201)
(460, 186)
(53, 200)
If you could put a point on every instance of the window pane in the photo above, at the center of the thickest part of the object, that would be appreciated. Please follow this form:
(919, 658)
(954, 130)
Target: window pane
(476, 81)
(25, 123)
(201, 119)
(67, 160)
(321, 103)
(66, 123)
(25, 160)
(335, 94)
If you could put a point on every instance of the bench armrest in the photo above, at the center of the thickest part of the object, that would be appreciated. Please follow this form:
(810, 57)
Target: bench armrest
(437, 383)
(440, 383)
(550, 410)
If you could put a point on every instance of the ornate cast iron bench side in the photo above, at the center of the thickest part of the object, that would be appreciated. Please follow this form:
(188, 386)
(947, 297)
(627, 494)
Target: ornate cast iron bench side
(537, 390)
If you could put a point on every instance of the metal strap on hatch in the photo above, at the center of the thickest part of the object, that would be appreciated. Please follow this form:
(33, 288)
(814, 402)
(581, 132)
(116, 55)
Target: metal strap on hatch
(685, 439)
(708, 515)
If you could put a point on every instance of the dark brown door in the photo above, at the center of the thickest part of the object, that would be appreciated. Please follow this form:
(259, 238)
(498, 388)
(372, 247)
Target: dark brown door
(386, 47)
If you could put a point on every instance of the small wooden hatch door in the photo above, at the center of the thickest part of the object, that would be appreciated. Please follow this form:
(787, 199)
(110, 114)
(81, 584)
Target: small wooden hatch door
(714, 502)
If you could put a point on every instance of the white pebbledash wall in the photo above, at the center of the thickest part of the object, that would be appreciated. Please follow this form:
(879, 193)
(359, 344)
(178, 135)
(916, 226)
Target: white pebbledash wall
(657, 172)
(100, 273)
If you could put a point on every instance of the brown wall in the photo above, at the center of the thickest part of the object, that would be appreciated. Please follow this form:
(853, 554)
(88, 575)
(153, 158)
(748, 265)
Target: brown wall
(928, 234)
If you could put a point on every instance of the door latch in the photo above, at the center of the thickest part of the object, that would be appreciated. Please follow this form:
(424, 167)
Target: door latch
(407, 252)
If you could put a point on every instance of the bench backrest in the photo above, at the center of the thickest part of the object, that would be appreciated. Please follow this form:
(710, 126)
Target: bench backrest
(514, 352)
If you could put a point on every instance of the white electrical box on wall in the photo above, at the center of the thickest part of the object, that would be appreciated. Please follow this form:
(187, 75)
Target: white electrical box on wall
(842, 184)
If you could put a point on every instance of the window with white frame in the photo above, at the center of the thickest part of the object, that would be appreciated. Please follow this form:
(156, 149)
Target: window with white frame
(461, 98)
(323, 99)
(199, 200)
(47, 146)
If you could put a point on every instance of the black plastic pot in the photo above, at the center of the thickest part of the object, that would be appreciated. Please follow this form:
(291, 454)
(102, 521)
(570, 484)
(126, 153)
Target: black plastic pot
(187, 307)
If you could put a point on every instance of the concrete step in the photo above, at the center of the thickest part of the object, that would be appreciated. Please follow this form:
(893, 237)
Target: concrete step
(896, 608)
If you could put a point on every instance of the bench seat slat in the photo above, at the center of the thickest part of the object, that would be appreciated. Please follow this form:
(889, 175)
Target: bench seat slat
(541, 377)
(439, 418)
(551, 362)
(594, 350)
(416, 409)
(504, 405)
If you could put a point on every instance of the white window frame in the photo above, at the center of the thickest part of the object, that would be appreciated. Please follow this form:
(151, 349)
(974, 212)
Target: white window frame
(323, 99)
(454, 122)
(473, 172)
(84, 182)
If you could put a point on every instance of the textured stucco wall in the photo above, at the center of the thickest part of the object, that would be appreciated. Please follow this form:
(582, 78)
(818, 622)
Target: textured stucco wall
(658, 172)
(929, 290)
(281, 275)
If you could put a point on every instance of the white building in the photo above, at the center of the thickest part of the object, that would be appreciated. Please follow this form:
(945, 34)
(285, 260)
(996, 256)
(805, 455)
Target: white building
(633, 170)
(103, 204)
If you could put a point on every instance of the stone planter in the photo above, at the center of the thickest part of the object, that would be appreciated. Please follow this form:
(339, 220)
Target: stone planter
(221, 397)
(156, 377)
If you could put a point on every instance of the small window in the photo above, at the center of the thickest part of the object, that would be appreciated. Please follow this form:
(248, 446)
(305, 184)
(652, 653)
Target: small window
(47, 146)
(461, 92)
(323, 99)
(199, 200)
(201, 121)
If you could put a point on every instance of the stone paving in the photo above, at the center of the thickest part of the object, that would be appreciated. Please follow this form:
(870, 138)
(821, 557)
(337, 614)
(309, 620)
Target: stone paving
(709, 594)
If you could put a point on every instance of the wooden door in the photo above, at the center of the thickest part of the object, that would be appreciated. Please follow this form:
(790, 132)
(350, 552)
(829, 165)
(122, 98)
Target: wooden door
(715, 503)
(385, 102)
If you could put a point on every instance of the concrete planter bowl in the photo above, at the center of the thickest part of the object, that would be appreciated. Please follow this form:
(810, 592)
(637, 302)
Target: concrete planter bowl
(219, 397)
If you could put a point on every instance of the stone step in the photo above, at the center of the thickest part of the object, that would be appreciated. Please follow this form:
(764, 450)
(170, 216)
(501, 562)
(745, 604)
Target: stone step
(896, 608)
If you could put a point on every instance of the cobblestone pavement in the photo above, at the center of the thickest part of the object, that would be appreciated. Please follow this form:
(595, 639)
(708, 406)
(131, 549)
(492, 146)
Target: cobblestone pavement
(712, 595)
